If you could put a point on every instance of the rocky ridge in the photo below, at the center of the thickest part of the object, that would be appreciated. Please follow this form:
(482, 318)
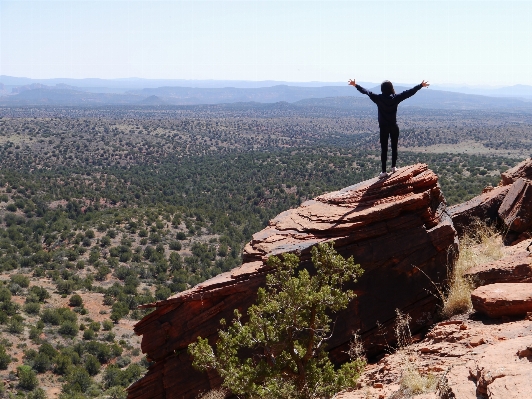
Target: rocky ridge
(483, 354)
(406, 209)
(486, 354)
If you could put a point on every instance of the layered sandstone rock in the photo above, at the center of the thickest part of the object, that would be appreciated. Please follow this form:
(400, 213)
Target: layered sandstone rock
(484, 207)
(515, 268)
(471, 359)
(521, 170)
(516, 209)
(396, 228)
(510, 202)
(503, 299)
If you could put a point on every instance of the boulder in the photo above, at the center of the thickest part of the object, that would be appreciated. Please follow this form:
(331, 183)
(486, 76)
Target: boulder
(521, 170)
(516, 209)
(484, 207)
(397, 228)
(503, 299)
(515, 268)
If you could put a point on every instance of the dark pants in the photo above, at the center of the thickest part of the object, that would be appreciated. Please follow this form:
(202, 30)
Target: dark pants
(393, 132)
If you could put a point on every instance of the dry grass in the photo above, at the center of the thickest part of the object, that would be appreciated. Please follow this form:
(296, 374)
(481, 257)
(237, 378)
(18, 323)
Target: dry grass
(412, 382)
(214, 394)
(481, 244)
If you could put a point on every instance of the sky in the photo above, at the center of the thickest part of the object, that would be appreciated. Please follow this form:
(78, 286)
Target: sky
(445, 42)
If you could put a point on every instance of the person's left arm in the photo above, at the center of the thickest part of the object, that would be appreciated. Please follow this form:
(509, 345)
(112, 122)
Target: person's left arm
(410, 92)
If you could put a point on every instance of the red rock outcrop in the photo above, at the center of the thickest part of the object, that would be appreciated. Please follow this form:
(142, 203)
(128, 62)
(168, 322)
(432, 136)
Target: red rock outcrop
(516, 209)
(396, 228)
(515, 268)
(469, 358)
(484, 207)
(521, 170)
(503, 299)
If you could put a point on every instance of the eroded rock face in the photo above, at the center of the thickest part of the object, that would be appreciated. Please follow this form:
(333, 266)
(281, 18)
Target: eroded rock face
(396, 228)
(503, 299)
(521, 170)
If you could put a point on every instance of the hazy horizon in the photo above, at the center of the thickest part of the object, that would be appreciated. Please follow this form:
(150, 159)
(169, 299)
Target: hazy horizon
(445, 42)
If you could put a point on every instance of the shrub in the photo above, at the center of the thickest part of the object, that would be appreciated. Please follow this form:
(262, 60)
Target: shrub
(162, 293)
(40, 292)
(5, 294)
(15, 327)
(75, 300)
(78, 380)
(123, 361)
(116, 393)
(66, 286)
(35, 333)
(68, 329)
(88, 334)
(286, 332)
(95, 326)
(42, 363)
(32, 308)
(175, 246)
(37, 393)
(107, 325)
(48, 350)
(27, 379)
(92, 365)
(21, 280)
(63, 363)
(5, 359)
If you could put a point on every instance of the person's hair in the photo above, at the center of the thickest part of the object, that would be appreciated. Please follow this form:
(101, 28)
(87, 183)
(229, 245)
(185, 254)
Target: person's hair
(387, 88)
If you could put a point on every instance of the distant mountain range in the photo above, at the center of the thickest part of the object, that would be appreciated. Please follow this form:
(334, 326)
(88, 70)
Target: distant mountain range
(64, 93)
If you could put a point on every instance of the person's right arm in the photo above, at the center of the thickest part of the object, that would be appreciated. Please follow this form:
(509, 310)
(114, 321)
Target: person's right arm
(370, 94)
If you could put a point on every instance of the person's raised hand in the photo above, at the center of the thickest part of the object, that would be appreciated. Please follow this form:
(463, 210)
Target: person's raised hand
(351, 82)
(425, 84)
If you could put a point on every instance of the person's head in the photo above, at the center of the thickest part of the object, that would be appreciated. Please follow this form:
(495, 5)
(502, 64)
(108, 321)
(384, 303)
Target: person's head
(387, 88)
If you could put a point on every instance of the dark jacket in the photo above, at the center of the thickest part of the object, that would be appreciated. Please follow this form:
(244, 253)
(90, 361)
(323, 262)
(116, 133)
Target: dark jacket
(387, 104)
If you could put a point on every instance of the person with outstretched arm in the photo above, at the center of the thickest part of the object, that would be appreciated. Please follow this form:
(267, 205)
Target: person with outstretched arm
(387, 103)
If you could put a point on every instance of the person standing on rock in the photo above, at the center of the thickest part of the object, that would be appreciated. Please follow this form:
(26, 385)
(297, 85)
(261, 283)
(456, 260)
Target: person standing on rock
(387, 103)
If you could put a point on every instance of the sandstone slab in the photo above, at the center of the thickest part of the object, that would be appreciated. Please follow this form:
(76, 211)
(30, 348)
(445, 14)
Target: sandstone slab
(515, 268)
(397, 228)
(521, 170)
(503, 299)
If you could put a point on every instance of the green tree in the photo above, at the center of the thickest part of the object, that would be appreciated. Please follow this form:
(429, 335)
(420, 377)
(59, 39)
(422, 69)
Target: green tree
(287, 331)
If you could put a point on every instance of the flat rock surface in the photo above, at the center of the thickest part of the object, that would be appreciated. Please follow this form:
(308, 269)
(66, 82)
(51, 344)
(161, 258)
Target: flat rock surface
(503, 299)
(474, 358)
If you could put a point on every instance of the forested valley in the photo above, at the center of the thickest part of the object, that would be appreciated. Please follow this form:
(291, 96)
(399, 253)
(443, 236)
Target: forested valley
(106, 209)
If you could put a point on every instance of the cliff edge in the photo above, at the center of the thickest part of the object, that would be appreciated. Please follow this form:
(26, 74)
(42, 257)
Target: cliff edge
(398, 230)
